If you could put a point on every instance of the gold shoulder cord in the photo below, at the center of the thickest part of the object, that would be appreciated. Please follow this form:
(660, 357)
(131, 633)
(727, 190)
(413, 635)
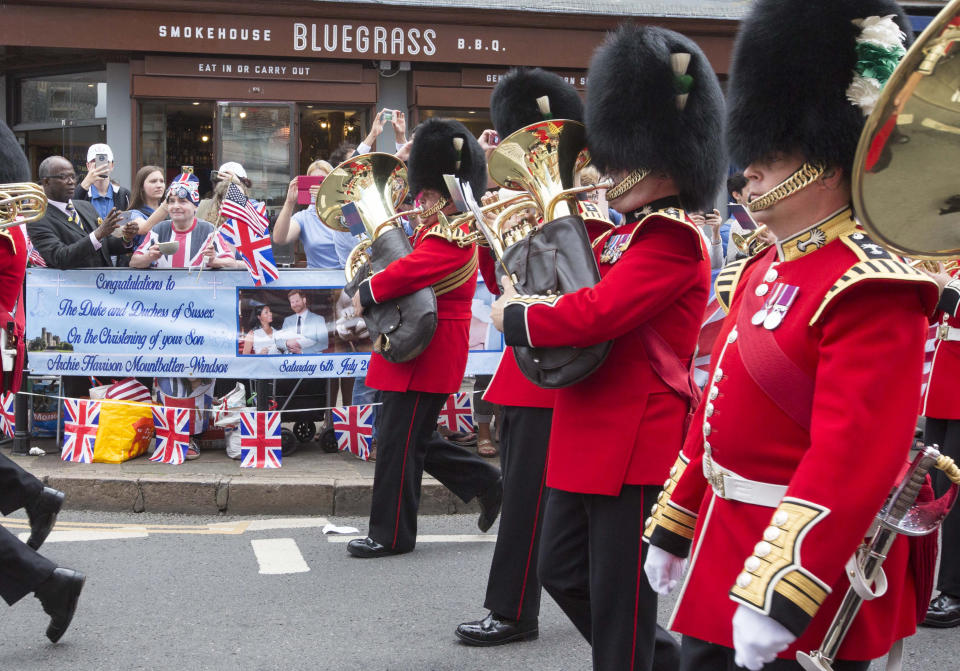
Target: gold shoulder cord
(805, 175)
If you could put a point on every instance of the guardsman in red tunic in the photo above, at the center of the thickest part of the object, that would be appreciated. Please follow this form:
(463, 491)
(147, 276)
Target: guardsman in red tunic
(941, 407)
(414, 391)
(513, 588)
(654, 124)
(814, 386)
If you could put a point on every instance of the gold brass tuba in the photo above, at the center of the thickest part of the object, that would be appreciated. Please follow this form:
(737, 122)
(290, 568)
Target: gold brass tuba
(367, 190)
(750, 244)
(543, 160)
(905, 187)
(21, 203)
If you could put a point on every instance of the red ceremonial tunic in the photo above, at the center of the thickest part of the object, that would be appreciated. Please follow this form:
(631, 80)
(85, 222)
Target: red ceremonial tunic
(941, 400)
(13, 265)
(862, 348)
(440, 367)
(622, 424)
(509, 386)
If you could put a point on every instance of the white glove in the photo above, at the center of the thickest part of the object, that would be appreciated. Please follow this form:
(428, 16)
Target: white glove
(757, 638)
(664, 569)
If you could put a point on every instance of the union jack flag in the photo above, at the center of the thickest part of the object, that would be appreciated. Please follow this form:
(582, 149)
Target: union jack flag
(80, 429)
(33, 256)
(7, 423)
(457, 414)
(260, 439)
(172, 393)
(353, 427)
(252, 240)
(709, 328)
(172, 427)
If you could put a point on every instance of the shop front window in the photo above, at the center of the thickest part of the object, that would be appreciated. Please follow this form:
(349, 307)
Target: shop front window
(323, 130)
(177, 134)
(477, 120)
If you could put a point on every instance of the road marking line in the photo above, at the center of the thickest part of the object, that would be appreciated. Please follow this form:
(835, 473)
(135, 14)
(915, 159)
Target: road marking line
(432, 538)
(288, 523)
(91, 535)
(277, 556)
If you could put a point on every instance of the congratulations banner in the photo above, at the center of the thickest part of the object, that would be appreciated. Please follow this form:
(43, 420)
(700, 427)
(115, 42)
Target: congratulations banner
(120, 322)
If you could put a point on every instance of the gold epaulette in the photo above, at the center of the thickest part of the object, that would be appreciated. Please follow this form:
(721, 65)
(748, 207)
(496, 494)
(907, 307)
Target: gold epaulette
(458, 277)
(774, 568)
(726, 283)
(875, 264)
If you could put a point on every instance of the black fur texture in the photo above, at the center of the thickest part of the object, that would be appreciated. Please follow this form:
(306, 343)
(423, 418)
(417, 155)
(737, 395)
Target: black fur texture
(433, 155)
(513, 103)
(13, 164)
(792, 63)
(632, 117)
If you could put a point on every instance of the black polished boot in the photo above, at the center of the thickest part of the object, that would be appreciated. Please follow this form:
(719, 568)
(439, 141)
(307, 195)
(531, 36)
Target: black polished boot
(944, 612)
(43, 515)
(367, 548)
(59, 595)
(496, 630)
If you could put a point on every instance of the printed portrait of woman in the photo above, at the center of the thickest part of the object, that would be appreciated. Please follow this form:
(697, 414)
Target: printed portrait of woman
(260, 338)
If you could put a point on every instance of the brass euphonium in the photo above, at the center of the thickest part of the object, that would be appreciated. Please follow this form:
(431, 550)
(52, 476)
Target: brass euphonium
(21, 203)
(543, 160)
(500, 212)
(367, 190)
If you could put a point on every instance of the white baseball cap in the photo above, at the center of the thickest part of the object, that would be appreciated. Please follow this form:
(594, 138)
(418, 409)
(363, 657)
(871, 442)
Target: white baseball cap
(235, 168)
(99, 148)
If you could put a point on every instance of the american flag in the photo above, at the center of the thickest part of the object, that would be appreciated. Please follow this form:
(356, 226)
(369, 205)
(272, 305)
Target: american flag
(172, 427)
(80, 429)
(33, 256)
(260, 439)
(128, 389)
(7, 423)
(353, 427)
(457, 414)
(236, 205)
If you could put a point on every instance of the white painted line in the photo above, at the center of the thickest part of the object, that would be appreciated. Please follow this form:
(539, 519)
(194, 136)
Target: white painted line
(432, 538)
(287, 523)
(89, 535)
(277, 556)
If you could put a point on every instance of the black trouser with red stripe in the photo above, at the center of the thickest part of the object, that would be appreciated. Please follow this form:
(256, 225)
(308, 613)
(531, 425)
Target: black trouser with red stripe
(407, 445)
(946, 434)
(591, 563)
(513, 588)
(22, 569)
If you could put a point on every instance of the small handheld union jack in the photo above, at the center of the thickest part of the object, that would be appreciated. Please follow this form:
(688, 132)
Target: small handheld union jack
(7, 416)
(81, 421)
(457, 414)
(353, 427)
(172, 427)
(260, 439)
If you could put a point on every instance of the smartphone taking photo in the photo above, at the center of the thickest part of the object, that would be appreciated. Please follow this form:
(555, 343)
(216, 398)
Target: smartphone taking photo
(100, 162)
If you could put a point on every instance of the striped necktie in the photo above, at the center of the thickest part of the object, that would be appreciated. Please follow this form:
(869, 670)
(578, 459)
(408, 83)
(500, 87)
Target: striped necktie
(72, 214)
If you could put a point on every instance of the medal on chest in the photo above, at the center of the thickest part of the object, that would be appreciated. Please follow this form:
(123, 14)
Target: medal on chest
(774, 309)
(614, 247)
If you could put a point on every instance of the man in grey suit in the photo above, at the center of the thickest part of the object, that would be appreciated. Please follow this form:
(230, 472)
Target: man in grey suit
(71, 234)
(303, 332)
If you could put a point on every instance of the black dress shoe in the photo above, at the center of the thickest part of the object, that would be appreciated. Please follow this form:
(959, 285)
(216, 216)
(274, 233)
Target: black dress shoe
(367, 548)
(944, 612)
(43, 515)
(490, 501)
(59, 595)
(495, 630)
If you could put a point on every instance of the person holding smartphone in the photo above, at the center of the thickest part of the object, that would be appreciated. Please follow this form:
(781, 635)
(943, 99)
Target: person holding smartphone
(97, 187)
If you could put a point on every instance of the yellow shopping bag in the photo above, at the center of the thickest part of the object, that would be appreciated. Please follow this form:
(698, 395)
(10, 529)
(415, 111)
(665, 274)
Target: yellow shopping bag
(126, 431)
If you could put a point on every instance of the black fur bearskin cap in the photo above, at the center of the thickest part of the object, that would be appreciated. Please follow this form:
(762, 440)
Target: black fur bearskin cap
(792, 64)
(434, 155)
(13, 164)
(513, 103)
(633, 120)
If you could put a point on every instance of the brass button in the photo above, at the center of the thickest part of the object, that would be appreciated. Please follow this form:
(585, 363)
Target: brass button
(762, 549)
(771, 534)
(771, 275)
(762, 290)
(752, 564)
(780, 518)
(743, 580)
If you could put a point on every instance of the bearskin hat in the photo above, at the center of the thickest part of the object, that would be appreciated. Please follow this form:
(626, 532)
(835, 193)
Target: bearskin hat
(434, 155)
(793, 62)
(645, 110)
(13, 163)
(513, 103)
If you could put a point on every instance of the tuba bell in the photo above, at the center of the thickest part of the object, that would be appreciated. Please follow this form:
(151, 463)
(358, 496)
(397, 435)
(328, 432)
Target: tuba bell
(366, 190)
(21, 203)
(909, 146)
(543, 160)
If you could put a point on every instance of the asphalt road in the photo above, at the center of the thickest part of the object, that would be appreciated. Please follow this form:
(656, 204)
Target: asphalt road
(232, 593)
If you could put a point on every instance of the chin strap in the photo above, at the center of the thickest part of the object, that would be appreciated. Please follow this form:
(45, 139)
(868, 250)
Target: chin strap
(804, 176)
(439, 205)
(626, 183)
